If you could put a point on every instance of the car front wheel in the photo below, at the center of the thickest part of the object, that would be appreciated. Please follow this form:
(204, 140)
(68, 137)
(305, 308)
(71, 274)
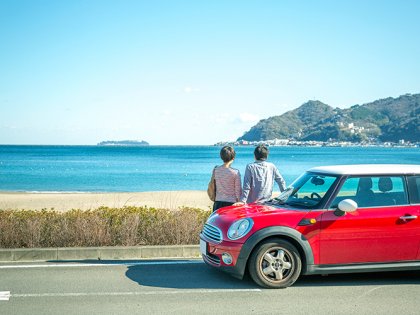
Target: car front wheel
(275, 263)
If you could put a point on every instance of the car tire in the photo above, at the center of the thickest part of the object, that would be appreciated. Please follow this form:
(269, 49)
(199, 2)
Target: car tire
(275, 264)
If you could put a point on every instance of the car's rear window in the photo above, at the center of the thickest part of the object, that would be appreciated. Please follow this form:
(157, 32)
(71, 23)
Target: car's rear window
(414, 189)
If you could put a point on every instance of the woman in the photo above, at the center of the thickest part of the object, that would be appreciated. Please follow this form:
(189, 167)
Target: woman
(228, 180)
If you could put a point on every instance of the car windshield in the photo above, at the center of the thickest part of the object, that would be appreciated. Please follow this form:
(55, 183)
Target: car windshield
(306, 191)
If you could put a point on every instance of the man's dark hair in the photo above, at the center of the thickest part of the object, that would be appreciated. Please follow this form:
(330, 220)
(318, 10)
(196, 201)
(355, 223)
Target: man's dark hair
(227, 153)
(261, 152)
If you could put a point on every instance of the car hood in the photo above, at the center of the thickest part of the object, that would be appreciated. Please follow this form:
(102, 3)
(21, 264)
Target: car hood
(255, 209)
(263, 215)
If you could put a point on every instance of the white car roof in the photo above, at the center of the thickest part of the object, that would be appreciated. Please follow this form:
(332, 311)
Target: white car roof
(368, 169)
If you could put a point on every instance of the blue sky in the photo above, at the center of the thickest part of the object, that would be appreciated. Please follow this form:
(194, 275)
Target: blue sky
(193, 72)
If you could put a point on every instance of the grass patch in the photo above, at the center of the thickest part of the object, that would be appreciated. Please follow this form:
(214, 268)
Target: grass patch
(127, 226)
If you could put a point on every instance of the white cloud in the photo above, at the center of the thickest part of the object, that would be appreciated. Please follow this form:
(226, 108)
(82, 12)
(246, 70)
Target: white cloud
(248, 118)
(243, 119)
(223, 118)
(190, 89)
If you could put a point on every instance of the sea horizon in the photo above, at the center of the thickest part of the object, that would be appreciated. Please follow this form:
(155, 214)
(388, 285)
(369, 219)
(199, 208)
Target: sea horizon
(96, 169)
(352, 144)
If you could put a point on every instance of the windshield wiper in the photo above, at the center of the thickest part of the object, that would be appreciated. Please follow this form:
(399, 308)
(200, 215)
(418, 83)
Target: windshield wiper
(275, 201)
(303, 205)
(284, 195)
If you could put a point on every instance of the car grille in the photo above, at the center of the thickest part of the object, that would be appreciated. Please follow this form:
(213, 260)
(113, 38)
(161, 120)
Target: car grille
(212, 233)
(213, 259)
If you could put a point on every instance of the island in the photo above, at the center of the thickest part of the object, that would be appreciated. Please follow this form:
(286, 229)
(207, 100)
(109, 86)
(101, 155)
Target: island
(124, 143)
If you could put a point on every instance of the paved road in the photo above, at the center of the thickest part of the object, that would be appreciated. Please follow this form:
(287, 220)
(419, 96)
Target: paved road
(190, 287)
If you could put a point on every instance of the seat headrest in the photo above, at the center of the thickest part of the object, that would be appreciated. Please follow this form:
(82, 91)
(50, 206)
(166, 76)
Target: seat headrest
(365, 183)
(385, 184)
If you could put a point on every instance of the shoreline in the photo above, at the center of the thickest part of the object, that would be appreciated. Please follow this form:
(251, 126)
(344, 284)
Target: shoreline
(64, 201)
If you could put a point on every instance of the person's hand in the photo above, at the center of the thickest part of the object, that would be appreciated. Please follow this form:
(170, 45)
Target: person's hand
(239, 203)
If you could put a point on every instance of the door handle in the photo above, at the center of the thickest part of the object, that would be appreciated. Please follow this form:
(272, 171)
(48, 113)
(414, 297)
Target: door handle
(406, 218)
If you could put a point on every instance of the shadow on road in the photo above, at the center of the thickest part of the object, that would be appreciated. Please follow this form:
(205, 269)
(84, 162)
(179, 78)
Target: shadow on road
(361, 279)
(202, 276)
(189, 276)
(173, 274)
(178, 273)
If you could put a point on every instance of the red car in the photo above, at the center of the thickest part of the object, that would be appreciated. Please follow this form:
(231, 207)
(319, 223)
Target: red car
(332, 219)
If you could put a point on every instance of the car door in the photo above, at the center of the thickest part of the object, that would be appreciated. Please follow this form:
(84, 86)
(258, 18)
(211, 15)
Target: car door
(382, 229)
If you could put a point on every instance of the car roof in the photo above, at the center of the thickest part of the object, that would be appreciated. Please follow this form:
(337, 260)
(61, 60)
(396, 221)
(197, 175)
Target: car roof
(368, 169)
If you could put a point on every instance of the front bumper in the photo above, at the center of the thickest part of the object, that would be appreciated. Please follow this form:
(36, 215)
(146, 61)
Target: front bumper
(212, 256)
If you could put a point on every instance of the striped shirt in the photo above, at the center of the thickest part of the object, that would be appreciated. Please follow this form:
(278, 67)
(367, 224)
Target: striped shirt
(259, 180)
(228, 184)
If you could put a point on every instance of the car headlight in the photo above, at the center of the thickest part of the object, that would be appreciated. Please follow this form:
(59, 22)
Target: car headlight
(240, 228)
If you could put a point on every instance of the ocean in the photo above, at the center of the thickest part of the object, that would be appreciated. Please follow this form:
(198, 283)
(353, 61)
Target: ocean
(161, 168)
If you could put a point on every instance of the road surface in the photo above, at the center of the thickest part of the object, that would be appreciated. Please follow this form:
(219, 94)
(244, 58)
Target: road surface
(190, 287)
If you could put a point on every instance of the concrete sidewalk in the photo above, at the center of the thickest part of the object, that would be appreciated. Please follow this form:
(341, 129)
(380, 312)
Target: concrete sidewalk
(99, 253)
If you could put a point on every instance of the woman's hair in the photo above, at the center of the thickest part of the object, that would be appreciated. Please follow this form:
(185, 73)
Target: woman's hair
(227, 153)
(261, 152)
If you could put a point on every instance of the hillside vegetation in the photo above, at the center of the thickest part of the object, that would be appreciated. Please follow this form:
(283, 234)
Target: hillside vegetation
(390, 119)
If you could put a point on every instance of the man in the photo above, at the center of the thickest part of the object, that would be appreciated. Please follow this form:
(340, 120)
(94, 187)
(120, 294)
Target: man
(259, 178)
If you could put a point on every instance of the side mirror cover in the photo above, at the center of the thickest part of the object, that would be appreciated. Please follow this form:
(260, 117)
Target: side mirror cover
(347, 205)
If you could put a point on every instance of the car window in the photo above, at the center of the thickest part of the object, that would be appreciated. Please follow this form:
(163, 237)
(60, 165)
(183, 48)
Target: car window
(373, 191)
(310, 189)
(414, 188)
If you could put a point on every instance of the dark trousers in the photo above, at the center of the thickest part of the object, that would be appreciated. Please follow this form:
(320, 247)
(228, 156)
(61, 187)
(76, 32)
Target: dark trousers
(221, 204)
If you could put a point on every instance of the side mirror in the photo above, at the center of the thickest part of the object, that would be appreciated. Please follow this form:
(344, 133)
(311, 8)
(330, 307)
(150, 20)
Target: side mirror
(346, 205)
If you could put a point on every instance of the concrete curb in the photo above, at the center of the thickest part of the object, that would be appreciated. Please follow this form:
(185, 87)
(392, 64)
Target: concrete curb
(99, 253)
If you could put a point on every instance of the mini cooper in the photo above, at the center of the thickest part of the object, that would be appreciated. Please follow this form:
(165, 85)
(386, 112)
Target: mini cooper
(331, 219)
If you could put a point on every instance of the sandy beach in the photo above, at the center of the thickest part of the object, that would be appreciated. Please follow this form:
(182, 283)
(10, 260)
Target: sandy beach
(85, 201)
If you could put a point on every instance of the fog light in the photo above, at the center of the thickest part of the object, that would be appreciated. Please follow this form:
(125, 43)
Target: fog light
(227, 258)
